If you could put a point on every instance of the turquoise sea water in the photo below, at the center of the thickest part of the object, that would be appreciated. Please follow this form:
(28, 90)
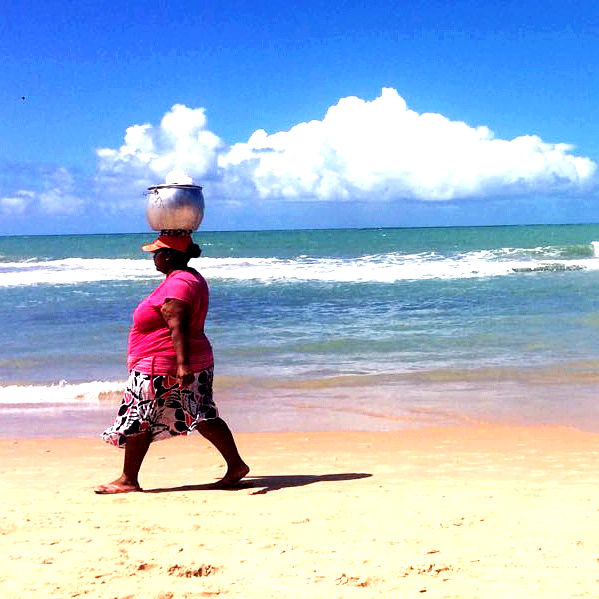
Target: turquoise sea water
(337, 318)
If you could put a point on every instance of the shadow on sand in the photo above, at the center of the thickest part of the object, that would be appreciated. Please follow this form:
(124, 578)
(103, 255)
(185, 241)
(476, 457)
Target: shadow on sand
(265, 484)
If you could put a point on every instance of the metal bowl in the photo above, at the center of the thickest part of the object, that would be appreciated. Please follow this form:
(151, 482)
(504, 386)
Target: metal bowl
(179, 207)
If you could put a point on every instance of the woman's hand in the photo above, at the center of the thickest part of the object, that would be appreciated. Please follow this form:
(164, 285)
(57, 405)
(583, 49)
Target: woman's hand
(184, 376)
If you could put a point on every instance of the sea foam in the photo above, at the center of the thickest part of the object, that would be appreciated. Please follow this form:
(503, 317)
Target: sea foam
(384, 268)
(91, 392)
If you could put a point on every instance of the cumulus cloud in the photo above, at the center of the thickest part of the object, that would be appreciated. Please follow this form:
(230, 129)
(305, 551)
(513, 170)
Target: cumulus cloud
(377, 150)
(368, 150)
(53, 192)
(180, 142)
(382, 150)
(16, 203)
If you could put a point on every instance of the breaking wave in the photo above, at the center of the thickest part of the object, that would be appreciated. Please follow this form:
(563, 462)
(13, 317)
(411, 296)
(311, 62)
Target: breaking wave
(383, 268)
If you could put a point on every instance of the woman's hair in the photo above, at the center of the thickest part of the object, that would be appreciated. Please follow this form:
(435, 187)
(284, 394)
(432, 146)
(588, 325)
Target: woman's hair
(182, 258)
(193, 251)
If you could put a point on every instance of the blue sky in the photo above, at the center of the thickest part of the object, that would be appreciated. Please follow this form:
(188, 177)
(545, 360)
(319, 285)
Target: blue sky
(324, 114)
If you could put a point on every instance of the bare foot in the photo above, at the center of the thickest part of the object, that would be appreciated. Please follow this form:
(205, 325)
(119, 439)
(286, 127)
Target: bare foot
(231, 479)
(117, 486)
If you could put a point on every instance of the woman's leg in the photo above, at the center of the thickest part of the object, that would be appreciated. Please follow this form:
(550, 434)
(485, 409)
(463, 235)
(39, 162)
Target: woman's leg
(218, 433)
(135, 452)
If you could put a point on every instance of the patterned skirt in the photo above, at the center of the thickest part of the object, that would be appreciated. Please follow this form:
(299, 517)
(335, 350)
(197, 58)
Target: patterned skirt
(157, 404)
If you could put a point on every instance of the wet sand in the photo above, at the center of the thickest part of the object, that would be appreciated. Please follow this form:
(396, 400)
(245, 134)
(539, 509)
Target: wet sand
(349, 403)
(455, 512)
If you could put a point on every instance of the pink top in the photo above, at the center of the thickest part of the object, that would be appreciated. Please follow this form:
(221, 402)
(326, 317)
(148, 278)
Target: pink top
(151, 349)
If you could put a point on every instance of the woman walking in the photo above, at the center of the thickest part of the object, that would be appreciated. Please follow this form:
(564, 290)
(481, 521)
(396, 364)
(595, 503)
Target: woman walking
(171, 365)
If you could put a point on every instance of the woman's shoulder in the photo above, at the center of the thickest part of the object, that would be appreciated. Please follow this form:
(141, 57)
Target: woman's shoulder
(188, 273)
(190, 276)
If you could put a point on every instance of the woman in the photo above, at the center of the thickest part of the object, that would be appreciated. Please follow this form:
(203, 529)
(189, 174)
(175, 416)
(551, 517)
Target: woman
(170, 362)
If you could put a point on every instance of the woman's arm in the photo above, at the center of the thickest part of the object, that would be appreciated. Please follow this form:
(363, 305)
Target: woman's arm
(176, 314)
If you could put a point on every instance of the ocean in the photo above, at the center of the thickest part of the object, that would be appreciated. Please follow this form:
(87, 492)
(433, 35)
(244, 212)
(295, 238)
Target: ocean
(365, 329)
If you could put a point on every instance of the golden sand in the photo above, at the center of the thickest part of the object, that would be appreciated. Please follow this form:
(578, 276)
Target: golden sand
(476, 512)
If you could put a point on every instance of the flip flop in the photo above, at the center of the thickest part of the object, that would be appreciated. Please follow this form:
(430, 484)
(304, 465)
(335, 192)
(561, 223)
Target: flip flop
(114, 489)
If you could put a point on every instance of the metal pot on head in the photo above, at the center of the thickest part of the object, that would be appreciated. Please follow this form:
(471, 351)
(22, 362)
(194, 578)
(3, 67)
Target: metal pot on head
(175, 207)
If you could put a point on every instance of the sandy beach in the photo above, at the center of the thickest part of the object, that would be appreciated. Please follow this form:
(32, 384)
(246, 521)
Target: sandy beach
(468, 512)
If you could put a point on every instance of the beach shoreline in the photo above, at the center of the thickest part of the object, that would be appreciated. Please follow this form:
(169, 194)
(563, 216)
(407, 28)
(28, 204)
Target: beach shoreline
(347, 403)
(454, 512)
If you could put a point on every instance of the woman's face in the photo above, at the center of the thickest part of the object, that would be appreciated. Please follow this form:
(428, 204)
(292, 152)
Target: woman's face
(162, 260)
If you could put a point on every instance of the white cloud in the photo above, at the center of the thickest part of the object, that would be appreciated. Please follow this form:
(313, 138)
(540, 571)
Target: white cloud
(16, 203)
(381, 150)
(53, 192)
(181, 142)
(58, 196)
(366, 150)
